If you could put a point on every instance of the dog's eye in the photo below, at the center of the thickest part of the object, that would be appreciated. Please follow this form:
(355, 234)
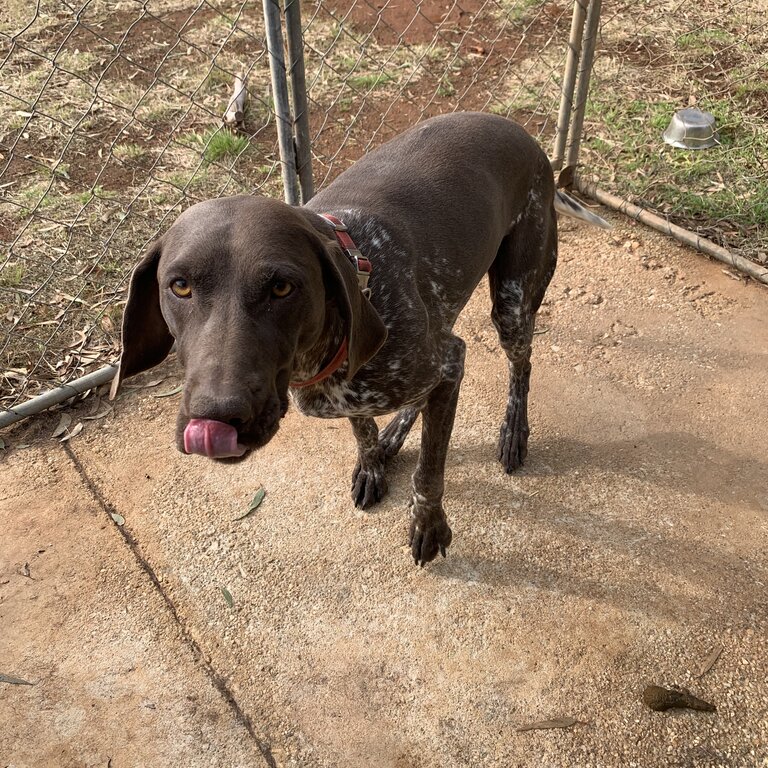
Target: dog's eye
(281, 289)
(181, 288)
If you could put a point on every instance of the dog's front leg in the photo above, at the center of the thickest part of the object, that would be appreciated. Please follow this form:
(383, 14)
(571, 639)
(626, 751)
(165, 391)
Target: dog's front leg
(430, 532)
(369, 484)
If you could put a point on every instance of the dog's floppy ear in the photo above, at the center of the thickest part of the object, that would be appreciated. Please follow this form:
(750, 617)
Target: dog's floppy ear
(146, 338)
(366, 332)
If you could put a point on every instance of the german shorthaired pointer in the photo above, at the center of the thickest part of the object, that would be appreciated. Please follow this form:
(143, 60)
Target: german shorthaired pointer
(265, 300)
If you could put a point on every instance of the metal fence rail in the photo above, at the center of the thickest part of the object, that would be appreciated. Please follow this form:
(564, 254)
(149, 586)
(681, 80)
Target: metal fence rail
(110, 124)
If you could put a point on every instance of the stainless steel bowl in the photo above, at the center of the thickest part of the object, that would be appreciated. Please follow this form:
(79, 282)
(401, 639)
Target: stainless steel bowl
(691, 128)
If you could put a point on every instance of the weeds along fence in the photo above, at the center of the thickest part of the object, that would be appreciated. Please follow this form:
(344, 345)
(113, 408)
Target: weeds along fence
(111, 124)
(655, 57)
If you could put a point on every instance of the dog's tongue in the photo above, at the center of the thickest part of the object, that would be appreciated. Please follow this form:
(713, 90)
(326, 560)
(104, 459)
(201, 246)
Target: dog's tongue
(213, 439)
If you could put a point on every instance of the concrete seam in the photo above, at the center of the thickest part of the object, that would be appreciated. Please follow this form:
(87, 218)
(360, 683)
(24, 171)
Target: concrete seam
(197, 652)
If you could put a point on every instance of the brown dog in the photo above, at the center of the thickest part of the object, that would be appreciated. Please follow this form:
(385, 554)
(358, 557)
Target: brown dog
(263, 299)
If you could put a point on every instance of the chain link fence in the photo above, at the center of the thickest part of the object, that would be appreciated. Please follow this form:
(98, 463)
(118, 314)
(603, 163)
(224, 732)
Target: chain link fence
(111, 124)
(654, 57)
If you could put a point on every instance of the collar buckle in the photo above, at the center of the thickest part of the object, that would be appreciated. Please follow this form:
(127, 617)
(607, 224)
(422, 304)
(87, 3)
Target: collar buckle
(362, 266)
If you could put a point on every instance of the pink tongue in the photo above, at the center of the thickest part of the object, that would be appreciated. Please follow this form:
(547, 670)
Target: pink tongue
(214, 439)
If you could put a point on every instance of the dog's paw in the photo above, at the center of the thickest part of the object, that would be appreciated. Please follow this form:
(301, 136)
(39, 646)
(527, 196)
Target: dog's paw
(430, 533)
(369, 485)
(513, 446)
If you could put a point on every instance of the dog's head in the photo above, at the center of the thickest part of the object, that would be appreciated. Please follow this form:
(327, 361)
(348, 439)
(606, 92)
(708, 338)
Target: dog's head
(244, 285)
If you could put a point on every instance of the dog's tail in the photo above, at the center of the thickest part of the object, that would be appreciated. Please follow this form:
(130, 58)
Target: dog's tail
(569, 207)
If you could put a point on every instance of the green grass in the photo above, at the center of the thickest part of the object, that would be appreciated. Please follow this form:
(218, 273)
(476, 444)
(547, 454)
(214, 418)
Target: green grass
(370, 81)
(127, 152)
(217, 145)
(704, 40)
(446, 87)
(519, 10)
(722, 188)
(97, 192)
(218, 79)
(11, 275)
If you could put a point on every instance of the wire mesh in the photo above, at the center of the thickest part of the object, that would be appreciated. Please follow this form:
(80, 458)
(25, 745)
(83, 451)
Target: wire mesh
(374, 68)
(110, 124)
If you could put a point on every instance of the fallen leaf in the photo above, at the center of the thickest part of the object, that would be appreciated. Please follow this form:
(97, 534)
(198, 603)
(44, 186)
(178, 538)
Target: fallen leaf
(148, 385)
(543, 725)
(63, 425)
(13, 680)
(2, 444)
(174, 391)
(227, 597)
(254, 505)
(709, 662)
(77, 429)
(117, 517)
(99, 415)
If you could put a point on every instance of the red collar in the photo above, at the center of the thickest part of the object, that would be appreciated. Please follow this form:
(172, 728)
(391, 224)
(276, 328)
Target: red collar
(359, 262)
(363, 269)
(332, 367)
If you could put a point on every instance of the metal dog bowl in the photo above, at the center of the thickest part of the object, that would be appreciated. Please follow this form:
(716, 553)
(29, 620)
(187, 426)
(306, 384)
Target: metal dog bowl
(692, 129)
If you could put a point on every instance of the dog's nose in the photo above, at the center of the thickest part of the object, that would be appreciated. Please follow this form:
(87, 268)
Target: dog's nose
(234, 410)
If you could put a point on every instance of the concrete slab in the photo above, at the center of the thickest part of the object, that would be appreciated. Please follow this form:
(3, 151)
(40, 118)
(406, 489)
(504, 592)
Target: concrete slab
(632, 544)
(115, 681)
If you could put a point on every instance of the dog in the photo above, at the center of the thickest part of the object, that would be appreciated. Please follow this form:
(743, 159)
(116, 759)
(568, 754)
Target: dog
(347, 304)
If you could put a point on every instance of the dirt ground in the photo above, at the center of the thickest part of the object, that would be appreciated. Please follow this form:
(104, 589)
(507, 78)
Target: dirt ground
(633, 544)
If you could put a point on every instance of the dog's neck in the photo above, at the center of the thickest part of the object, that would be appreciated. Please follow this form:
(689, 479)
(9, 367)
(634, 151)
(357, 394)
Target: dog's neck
(309, 362)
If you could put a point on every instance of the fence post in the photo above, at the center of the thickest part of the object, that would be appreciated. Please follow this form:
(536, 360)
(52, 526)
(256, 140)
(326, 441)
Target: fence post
(582, 87)
(295, 41)
(569, 82)
(282, 105)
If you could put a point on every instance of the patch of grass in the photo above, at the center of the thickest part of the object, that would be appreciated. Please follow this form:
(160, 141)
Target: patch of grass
(35, 195)
(723, 188)
(519, 10)
(218, 78)
(446, 87)
(525, 100)
(704, 40)
(127, 152)
(193, 180)
(75, 61)
(369, 81)
(11, 275)
(97, 192)
(217, 145)
(62, 170)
